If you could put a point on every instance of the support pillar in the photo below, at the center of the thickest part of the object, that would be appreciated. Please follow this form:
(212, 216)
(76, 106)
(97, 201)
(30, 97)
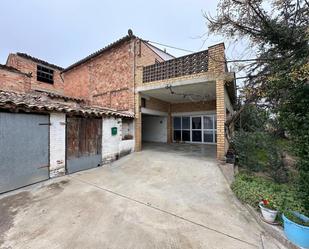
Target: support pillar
(169, 126)
(138, 123)
(220, 108)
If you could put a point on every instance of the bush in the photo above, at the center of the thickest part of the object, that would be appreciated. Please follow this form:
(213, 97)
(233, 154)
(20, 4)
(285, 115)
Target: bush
(250, 149)
(252, 189)
(253, 118)
(294, 116)
(258, 151)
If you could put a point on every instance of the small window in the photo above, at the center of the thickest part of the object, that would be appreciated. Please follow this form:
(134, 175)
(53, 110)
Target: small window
(143, 102)
(127, 129)
(45, 74)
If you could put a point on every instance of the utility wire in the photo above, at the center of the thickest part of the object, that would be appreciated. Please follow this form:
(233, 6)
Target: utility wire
(224, 61)
(169, 46)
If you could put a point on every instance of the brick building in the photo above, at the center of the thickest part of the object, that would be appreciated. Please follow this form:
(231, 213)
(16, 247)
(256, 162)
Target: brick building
(107, 104)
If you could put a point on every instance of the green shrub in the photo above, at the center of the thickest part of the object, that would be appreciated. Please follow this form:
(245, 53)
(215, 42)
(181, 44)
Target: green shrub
(250, 150)
(251, 189)
(259, 151)
(294, 116)
(252, 118)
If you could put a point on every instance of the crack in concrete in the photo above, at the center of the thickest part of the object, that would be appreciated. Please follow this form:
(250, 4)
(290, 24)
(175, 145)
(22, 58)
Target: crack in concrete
(163, 211)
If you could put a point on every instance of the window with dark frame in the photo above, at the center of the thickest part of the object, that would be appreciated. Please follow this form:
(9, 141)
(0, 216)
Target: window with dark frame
(45, 74)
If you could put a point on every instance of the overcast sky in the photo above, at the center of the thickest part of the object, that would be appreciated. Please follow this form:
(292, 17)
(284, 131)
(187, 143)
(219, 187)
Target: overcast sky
(64, 31)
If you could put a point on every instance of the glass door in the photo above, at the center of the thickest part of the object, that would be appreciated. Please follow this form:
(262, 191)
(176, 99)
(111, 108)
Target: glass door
(196, 128)
(209, 129)
(181, 127)
(185, 132)
(177, 129)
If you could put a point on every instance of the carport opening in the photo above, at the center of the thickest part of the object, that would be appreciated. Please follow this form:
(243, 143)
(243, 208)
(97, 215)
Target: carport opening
(154, 128)
(155, 136)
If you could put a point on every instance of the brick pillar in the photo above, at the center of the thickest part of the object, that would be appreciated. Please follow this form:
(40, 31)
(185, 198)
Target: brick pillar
(138, 123)
(216, 58)
(220, 107)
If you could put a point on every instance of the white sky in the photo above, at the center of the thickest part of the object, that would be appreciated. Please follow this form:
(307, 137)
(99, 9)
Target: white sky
(64, 31)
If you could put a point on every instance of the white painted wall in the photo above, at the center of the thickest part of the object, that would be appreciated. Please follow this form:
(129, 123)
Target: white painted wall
(110, 144)
(57, 144)
(154, 129)
(126, 146)
(113, 146)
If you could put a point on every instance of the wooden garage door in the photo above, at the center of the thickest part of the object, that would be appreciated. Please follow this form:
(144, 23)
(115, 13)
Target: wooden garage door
(24, 140)
(84, 140)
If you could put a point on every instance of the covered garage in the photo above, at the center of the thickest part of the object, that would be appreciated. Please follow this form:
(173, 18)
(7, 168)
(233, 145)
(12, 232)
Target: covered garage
(44, 135)
(154, 128)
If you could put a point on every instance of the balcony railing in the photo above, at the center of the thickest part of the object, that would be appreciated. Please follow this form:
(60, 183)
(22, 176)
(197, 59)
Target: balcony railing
(185, 65)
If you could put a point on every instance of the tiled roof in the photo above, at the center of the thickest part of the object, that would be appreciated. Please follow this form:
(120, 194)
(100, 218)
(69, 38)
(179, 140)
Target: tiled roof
(100, 51)
(41, 102)
(59, 96)
(29, 57)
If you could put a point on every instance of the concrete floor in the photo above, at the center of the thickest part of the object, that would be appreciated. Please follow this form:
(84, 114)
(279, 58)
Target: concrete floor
(163, 197)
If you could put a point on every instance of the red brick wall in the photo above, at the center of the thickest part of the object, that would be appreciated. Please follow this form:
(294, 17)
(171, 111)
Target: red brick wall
(14, 81)
(106, 80)
(29, 66)
(77, 82)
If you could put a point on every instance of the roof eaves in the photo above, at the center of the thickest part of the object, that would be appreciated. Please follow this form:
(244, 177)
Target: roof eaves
(38, 102)
(29, 57)
(13, 69)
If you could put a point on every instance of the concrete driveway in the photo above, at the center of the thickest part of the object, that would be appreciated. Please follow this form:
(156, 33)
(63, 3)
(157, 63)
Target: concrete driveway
(163, 197)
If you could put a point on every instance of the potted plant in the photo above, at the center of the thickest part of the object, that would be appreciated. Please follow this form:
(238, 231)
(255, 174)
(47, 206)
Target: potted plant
(268, 210)
(296, 228)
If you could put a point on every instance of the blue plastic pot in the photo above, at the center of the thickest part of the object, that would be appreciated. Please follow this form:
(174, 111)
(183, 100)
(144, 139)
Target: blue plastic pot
(297, 234)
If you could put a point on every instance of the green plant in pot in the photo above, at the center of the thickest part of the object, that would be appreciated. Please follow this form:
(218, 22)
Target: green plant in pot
(268, 210)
